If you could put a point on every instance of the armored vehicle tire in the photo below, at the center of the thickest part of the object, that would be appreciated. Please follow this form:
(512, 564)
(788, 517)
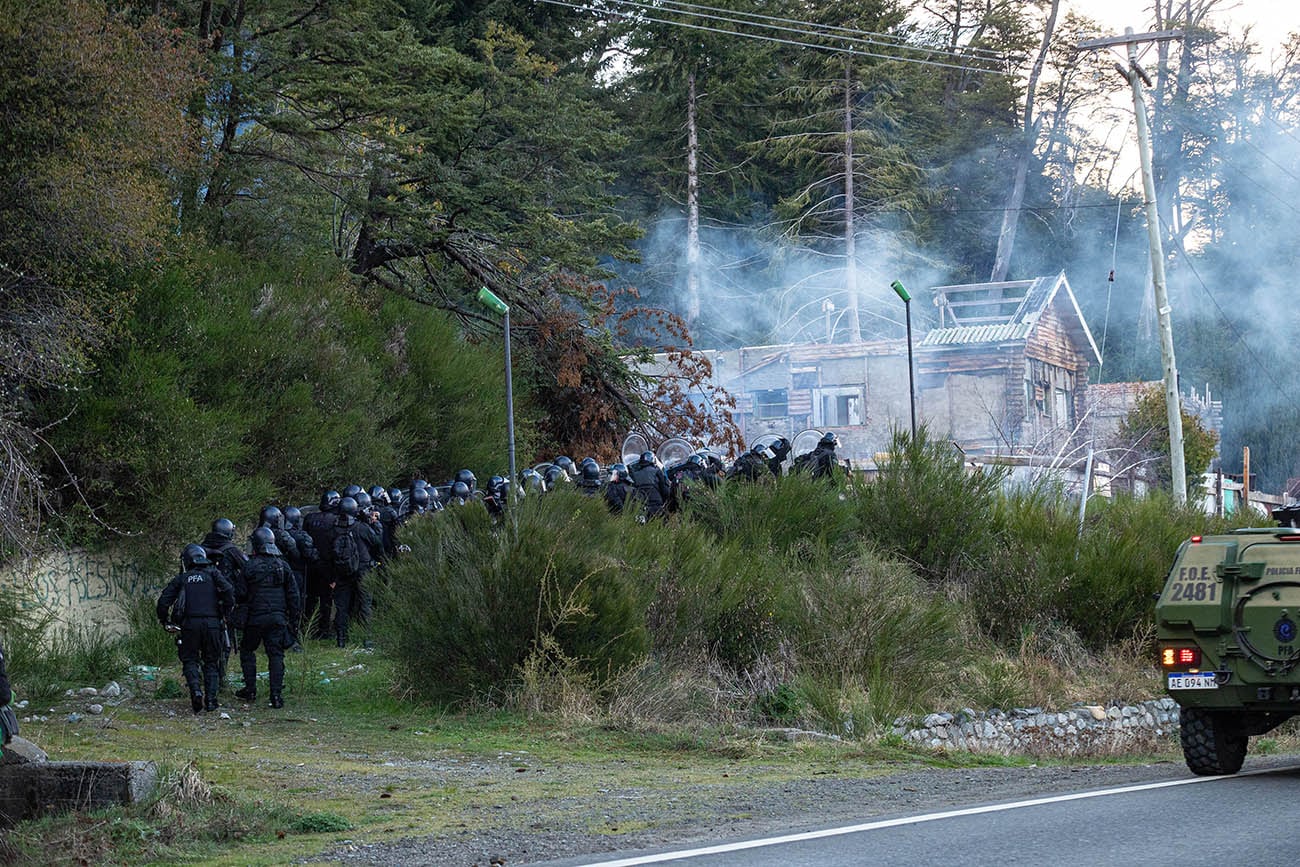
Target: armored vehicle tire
(1213, 743)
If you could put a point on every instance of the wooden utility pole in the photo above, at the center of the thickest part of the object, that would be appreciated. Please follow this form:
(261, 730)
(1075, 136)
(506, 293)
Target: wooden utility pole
(1136, 76)
(850, 229)
(1245, 479)
(692, 206)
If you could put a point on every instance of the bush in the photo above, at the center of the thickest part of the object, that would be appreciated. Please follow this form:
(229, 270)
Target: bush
(926, 507)
(1127, 549)
(474, 600)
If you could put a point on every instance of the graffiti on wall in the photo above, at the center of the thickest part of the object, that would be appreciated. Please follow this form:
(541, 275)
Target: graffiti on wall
(78, 587)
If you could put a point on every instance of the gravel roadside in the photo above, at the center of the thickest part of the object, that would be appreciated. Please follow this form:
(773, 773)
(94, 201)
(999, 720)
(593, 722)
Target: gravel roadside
(736, 807)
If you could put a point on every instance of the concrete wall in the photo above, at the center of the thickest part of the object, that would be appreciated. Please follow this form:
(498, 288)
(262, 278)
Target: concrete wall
(80, 588)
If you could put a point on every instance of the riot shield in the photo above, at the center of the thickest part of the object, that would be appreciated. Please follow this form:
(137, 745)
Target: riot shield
(633, 446)
(674, 451)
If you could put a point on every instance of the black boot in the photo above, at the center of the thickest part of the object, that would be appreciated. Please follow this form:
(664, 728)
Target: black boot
(276, 700)
(248, 693)
(210, 703)
(196, 701)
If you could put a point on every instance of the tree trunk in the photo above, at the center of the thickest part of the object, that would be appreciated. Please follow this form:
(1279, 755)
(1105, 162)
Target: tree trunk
(850, 230)
(692, 206)
(1016, 199)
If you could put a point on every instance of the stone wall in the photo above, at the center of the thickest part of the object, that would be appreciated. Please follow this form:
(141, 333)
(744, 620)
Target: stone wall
(1086, 730)
(80, 588)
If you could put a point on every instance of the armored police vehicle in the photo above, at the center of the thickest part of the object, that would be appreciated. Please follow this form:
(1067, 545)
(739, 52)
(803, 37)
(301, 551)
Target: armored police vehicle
(1228, 627)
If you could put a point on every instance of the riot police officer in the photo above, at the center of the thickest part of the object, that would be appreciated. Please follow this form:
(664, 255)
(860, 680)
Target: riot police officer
(270, 596)
(650, 484)
(193, 605)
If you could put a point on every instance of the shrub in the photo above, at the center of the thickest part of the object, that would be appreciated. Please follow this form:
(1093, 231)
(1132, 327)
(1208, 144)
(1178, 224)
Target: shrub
(1127, 549)
(928, 508)
(871, 626)
(474, 599)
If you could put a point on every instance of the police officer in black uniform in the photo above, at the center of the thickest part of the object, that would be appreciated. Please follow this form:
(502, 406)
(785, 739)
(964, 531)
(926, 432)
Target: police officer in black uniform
(319, 601)
(268, 589)
(780, 451)
(589, 478)
(650, 484)
(752, 465)
(192, 605)
(618, 488)
(346, 578)
(305, 559)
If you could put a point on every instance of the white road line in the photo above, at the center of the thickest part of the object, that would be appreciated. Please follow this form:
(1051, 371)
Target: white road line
(723, 848)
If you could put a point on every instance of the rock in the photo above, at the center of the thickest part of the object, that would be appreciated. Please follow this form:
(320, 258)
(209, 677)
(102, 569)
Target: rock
(95, 709)
(74, 717)
(21, 751)
(38, 788)
(87, 690)
(21, 705)
(113, 690)
(225, 715)
(1097, 711)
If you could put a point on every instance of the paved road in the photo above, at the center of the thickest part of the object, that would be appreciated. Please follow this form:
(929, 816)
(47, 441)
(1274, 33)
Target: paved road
(1246, 819)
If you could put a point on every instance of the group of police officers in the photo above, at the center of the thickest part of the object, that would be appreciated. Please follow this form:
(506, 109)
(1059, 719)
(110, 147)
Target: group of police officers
(305, 571)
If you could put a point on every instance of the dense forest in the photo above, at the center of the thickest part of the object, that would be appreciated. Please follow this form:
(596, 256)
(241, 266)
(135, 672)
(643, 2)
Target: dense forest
(242, 238)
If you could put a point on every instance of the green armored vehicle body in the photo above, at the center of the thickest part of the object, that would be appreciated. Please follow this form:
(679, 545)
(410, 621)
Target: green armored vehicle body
(1228, 628)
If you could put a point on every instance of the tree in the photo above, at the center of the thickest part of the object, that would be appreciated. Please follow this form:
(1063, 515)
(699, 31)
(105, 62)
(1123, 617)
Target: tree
(1144, 437)
(93, 130)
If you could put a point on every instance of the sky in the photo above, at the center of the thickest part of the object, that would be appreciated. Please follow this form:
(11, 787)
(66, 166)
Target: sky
(1270, 20)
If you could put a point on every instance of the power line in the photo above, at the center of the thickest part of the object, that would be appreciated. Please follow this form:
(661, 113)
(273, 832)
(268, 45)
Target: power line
(848, 34)
(792, 42)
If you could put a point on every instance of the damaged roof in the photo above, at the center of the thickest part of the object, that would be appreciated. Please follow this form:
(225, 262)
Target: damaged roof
(985, 313)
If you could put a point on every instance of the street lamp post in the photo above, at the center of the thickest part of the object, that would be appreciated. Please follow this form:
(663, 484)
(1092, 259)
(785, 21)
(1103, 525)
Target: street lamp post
(489, 300)
(902, 292)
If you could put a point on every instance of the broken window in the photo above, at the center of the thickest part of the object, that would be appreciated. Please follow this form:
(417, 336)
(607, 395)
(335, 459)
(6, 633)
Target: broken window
(838, 407)
(771, 403)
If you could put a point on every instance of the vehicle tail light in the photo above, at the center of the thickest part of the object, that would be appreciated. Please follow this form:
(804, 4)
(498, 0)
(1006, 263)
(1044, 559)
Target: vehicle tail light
(1196, 540)
(1180, 657)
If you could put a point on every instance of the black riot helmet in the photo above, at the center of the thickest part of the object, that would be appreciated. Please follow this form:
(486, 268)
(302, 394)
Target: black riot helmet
(466, 478)
(781, 448)
(420, 498)
(194, 555)
(272, 517)
(695, 461)
(418, 483)
(263, 541)
(348, 507)
(647, 457)
(460, 492)
(293, 517)
(363, 501)
(352, 491)
(618, 472)
(591, 472)
(761, 450)
(565, 463)
(394, 496)
(329, 501)
(554, 475)
(829, 439)
(224, 527)
(378, 495)
(588, 460)
(533, 480)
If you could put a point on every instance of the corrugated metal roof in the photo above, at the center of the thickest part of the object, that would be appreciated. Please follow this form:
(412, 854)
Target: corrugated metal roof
(967, 334)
